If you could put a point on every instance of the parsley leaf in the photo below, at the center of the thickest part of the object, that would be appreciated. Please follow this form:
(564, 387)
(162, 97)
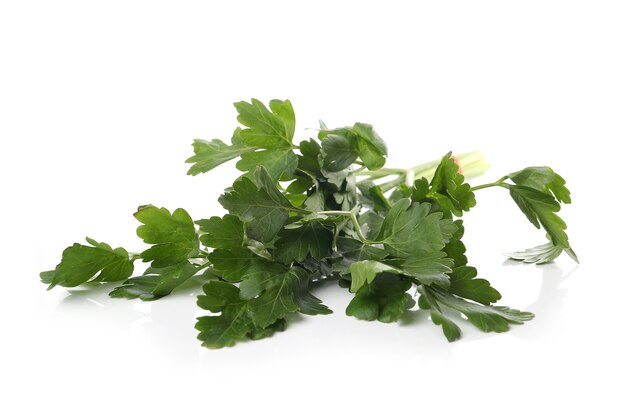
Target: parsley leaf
(155, 283)
(448, 188)
(268, 130)
(384, 299)
(540, 209)
(96, 263)
(279, 163)
(543, 179)
(541, 254)
(409, 230)
(312, 238)
(463, 282)
(486, 318)
(346, 144)
(211, 154)
(173, 235)
(261, 205)
(222, 232)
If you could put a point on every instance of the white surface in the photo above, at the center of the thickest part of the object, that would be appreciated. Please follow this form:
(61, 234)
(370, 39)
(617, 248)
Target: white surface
(98, 107)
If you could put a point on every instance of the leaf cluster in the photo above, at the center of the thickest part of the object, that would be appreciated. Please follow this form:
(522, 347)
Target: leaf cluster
(324, 209)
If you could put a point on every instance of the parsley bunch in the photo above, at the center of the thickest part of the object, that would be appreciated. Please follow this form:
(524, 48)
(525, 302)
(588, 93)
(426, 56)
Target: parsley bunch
(323, 209)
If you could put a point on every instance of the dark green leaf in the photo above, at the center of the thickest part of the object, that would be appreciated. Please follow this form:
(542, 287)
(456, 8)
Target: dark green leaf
(352, 250)
(156, 282)
(372, 149)
(312, 238)
(261, 205)
(543, 179)
(427, 267)
(385, 299)
(540, 209)
(339, 152)
(486, 318)
(448, 189)
(463, 282)
(231, 325)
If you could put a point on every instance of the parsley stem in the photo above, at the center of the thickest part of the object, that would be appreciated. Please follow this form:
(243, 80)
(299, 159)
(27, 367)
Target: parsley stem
(499, 183)
(472, 163)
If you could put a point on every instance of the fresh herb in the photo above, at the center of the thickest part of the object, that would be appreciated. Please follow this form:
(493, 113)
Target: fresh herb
(325, 209)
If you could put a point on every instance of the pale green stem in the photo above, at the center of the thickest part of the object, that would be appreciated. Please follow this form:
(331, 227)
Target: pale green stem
(499, 183)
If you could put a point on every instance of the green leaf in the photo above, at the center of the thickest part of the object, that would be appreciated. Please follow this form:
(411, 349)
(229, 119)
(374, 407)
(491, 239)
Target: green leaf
(410, 230)
(541, 254)
(284, 294)
(95, 263)
(371, 223)
(463, 282)
(312, 238)
(381, 204)
(339, 152)
(310, 158)
(540, 209)
(241, 264)
(364, 272)
(222, 232)
(279, 163)
(427, 301)
(307, 303)
(268, 130)
(211, 154)
(232, 325)
(385, 299)
(372, 149)
(447, 188)
(348, 143)
(543, 179)
(427, 267)
(261, 205)
(155, 283)
(486, 318)
(455, 248)
(351, 250)
(173, 235)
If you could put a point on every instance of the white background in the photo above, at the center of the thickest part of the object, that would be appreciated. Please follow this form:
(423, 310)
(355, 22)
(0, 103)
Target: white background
(99, 103)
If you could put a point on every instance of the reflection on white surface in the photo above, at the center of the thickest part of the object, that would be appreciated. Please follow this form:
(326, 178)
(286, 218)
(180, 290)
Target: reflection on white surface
(167, 325)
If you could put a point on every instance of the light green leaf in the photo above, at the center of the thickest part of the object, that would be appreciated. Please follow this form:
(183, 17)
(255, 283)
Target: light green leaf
(222, 232)
(173, 235)
(95, 263)
(541, 254)
(364, 272)
(279, 163)
(268, 130)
